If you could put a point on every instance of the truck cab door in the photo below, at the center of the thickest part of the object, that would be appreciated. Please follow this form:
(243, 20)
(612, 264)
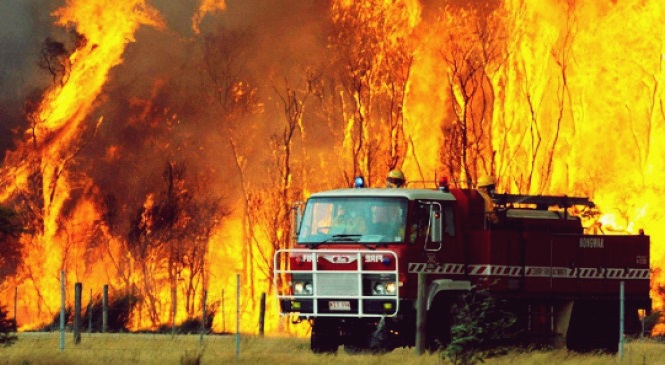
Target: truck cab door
(427, 226)
(432, 228)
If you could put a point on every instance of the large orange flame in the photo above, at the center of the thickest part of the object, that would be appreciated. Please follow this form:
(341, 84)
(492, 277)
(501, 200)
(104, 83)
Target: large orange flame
(548, 96)
(107, 29)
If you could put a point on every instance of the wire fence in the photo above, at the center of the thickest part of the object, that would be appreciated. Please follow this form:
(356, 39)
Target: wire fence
(111, 315)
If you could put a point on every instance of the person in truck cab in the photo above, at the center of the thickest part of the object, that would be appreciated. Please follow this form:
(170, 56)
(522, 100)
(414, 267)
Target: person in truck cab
(388, 220)
(348, 221)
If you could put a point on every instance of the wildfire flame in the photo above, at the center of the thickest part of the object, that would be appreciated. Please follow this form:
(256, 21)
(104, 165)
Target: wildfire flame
(549, 97)
(207, 6)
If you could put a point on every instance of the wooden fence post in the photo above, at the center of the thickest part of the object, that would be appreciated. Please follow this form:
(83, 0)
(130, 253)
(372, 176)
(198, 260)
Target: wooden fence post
(105, 308)
(174, 299)
(203, 317)
(62, 310)
(90, 313)
(237, 317)
(223, 314)
(78, 287)
(262, 314)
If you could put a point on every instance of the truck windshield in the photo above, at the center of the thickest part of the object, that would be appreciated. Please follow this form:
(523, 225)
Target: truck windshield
(353, 219)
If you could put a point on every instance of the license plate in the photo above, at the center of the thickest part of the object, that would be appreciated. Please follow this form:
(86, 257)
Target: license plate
(339, 305)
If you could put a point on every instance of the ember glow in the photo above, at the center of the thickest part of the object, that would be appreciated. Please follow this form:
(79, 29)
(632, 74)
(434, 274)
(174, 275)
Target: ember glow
(155, 116)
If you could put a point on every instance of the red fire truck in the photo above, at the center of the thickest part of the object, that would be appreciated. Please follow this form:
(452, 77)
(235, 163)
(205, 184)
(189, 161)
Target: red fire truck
(353, 271)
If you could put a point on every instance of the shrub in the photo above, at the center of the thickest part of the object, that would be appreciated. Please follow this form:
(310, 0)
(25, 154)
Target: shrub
(120, 308)
(478, 325)
(192, 325)
(119, 312)
(7, 329)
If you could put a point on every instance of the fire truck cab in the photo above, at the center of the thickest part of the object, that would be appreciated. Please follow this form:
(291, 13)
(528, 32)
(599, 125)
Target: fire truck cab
(353, 271)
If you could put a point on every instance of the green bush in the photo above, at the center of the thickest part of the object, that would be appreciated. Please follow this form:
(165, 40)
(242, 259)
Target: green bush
(478, 325)
(7, 329)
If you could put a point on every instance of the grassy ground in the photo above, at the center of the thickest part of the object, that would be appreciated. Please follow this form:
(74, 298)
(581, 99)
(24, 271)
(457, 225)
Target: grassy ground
(43, 348)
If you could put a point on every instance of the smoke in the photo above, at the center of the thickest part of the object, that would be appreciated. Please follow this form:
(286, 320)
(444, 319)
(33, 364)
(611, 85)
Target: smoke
(181, 96)
(163, 103)
(177, 98)
(25, 24)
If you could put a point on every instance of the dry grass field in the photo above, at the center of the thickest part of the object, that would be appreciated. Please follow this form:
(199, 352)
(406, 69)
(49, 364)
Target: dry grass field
(43, 348)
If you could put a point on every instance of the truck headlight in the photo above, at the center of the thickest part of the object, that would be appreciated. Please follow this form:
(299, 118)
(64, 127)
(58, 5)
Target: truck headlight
(384, 288)
(303, 288)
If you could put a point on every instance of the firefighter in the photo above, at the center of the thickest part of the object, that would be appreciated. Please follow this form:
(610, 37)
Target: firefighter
(395, 179)
(388, 220)
(486, 186)
(348, 221)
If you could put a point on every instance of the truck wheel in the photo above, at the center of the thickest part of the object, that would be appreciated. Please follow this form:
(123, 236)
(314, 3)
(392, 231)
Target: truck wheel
(356, 338)
(594, 326)
(439, 321)
(325, 336)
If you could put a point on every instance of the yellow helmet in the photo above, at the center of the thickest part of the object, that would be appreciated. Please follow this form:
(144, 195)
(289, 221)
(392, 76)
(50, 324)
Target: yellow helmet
(395, 178)
(485, 181)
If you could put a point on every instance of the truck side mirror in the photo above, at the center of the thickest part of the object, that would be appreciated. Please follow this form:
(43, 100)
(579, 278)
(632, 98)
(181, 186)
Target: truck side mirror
(435, 223)
(296, 218)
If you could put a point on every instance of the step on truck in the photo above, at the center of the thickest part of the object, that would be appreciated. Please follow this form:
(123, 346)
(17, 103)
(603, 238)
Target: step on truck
(353, 269)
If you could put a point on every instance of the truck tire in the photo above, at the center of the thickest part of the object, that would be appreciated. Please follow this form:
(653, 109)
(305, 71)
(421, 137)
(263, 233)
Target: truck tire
(325, 336)
(594, 326)
(439, 321)
(356, 339)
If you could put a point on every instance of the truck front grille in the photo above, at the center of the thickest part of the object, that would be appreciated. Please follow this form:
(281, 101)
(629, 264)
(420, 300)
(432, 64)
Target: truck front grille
(337, 284)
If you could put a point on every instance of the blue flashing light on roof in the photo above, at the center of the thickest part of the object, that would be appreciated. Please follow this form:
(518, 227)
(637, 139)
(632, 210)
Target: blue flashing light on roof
(359, 182)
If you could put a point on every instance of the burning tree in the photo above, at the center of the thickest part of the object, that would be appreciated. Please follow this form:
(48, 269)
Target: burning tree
(375, 60)
(55, 57)
(269, 205)
(170, 233)
(233, 97)
(472, 53)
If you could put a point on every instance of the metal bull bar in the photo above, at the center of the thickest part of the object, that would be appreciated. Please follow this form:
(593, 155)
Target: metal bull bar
(337, 283)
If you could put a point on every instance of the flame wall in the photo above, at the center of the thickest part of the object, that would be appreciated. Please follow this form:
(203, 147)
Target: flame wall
(548, 96)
